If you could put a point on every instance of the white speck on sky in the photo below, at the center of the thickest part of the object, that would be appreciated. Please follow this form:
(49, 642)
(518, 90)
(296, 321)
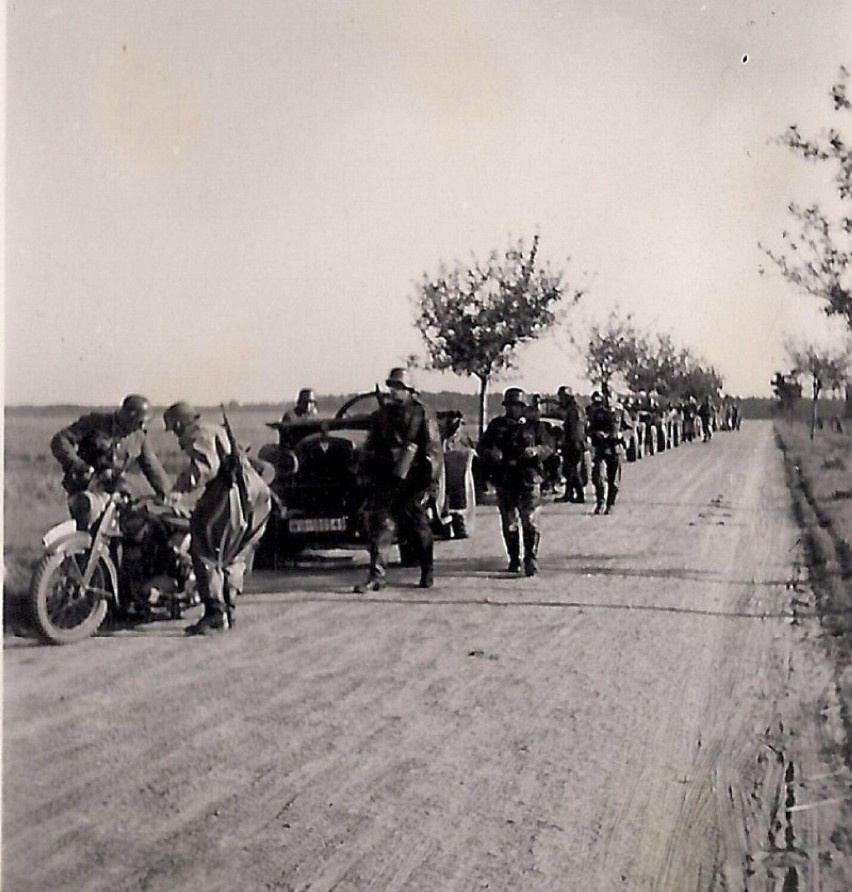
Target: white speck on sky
(213, 200)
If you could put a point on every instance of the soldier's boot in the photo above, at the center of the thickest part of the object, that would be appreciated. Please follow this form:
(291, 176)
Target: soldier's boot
(513, 547)
(427, 568)
(212, 622)
(531, 540)
(375, 580)
(610, 498)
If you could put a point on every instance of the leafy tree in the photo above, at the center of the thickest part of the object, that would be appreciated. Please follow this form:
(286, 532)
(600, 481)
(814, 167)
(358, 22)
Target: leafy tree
(473, 317)
(613, 349)
(826, 367)
(647, 363)
(818, 253)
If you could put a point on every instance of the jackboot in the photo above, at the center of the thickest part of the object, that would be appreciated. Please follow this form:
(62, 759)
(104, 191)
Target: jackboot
(531, 540)
(427, 568)
(513, 547)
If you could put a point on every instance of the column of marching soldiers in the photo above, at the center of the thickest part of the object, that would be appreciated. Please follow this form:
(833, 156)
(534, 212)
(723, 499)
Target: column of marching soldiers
(537, 448)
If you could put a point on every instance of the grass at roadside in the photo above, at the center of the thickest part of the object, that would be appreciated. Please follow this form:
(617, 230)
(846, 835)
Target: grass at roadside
(819, 474)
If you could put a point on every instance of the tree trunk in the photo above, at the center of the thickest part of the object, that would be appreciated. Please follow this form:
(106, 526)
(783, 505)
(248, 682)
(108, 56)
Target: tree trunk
(814, 411)
(483, 404)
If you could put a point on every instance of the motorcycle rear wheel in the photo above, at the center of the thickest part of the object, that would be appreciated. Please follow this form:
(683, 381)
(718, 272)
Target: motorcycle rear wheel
(63, 610)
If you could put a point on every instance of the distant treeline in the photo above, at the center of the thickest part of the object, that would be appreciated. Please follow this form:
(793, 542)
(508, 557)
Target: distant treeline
(468, 404)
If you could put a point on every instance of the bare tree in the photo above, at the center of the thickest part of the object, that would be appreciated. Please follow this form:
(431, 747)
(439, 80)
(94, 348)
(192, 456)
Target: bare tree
(473, 317)
(817, 254)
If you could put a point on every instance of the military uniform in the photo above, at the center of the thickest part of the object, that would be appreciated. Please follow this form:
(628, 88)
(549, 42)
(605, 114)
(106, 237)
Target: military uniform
(99, 443)
(401, 461)
(606, 425)
(573, 447)
(513, 451)
(204, 445)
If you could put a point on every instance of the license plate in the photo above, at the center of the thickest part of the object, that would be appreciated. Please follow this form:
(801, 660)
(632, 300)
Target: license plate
(317, 525)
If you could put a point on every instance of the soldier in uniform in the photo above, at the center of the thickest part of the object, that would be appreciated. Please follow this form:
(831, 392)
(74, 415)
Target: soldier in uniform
(95, 449)
(401, 464)
(573, 446)
(513, 449)
(204, 446)
(606, 424)
(306, 406)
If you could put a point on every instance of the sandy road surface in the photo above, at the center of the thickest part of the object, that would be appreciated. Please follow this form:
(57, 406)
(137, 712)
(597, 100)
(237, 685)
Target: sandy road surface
(627, 720)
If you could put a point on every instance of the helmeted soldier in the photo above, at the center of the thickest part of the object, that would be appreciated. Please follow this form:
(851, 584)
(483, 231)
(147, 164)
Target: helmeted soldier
(606, 424)
(573, 445)
(95, 449)
(306, 406)
(401, 464)
(203, 444)
(512, 450)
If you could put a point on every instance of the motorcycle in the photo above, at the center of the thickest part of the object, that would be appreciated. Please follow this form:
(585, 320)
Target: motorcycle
(121, 556)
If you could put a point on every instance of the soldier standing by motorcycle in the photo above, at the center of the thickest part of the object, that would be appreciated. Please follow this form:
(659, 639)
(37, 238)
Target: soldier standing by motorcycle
(513, 449)
(401, 463)
(95, 450)
(606, 424)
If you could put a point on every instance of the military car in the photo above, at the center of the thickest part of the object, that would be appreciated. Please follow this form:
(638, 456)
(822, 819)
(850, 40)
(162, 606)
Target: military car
(320, 495)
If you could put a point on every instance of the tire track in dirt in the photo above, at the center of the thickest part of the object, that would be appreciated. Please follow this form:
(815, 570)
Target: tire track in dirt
(579, 730)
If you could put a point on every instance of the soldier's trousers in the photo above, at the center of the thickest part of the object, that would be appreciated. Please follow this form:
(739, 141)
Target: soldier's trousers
(519, 506)
(572, 455)
(606, 476)
(406, 510)
(219, 586)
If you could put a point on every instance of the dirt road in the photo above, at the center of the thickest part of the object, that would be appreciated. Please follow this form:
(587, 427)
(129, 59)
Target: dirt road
(641, 716)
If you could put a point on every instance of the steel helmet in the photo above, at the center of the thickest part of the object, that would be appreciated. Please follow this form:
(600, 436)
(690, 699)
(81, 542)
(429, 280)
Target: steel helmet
(597, 396)
(179, 414)
(136, 410)
(400, 377)
(514, 396)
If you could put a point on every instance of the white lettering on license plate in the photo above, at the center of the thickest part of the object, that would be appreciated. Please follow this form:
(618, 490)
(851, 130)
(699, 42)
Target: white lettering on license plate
(317, 525)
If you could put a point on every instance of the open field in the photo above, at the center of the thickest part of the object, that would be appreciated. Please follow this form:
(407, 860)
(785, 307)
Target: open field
(656, 711)
(820, 478)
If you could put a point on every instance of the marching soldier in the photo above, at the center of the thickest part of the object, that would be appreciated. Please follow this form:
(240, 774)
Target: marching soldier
(401, 462)
(606, 424)
(513, 449)
(573, 446)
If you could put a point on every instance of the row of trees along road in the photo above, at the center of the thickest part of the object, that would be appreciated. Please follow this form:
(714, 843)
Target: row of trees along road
(816, 256)
(651, 363)
(474, 316)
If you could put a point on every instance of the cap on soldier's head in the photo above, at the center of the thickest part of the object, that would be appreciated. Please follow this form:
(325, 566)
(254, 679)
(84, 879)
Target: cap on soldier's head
(179, 414)
(597, 396)
(514, 396)
(565, 390)
(306, 395)
(401, 378)
(136, 409)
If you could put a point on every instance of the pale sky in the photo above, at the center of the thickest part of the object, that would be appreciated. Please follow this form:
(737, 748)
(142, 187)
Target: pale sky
(217, 199)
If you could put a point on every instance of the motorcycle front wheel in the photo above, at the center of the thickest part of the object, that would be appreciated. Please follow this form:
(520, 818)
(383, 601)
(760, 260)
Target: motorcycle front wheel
(63, 609)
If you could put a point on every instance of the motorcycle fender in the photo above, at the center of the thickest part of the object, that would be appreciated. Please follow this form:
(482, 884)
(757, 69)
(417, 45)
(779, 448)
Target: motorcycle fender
(66, 536)
(75, 541)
